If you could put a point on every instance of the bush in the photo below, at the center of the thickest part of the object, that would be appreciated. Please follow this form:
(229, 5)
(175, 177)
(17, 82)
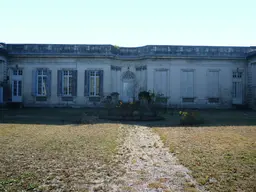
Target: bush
(190, 118)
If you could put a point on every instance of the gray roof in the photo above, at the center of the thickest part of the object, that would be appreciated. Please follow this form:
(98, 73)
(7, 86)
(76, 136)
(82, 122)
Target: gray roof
(110, 51)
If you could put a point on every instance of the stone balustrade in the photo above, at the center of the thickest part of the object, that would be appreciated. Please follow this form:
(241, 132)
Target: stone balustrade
(149, 51)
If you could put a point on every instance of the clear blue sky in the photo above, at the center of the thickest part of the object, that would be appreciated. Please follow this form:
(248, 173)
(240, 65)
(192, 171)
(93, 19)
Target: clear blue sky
(129, 22)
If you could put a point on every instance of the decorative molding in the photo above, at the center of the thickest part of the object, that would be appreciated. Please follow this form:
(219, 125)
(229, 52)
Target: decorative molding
(162, 69)
(214, 70)
(187, 70)
(115, 68)
(150, 51)
(141, 68)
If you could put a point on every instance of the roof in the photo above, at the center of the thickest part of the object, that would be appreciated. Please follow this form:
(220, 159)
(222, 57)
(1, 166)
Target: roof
(110, 51)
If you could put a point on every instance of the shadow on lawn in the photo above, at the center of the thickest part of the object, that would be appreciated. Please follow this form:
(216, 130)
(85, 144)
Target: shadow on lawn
(65, 116)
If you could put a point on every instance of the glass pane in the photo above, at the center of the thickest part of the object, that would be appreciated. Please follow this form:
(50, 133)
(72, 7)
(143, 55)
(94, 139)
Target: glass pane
(44, 86)
(14, 72)
(39, 85)
(44, 72)
(92, 86)
(70, 86)
(20, 87)
(39, 72)
(65, 86)
(15, 88)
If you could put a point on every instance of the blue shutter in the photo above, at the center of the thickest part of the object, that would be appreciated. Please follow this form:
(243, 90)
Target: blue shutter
(34, 83)
(74, 83)
(101, 82)
(49, 83)
(86, 83)
(59, 83)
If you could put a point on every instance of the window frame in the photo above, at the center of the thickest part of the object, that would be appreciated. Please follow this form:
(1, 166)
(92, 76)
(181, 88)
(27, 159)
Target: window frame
(210, 98)
(186, 98)
(69, 77)
(94, 75)
(44, 73)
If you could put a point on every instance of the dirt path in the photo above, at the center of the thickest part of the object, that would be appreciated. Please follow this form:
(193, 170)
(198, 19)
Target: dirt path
(149, 165)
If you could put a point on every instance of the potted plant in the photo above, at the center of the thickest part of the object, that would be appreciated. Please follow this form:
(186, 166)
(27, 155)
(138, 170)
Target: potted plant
(115, 97)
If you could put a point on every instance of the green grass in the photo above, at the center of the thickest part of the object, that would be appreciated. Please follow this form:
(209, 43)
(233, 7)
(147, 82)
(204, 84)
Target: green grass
(48, 157)
(222, 158)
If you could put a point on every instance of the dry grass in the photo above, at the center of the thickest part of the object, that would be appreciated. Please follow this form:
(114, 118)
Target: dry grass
(49, 157)
(221, 158)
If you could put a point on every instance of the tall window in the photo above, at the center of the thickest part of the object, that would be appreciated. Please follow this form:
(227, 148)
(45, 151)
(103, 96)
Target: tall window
(213, 86)
(161, 82)
(94, 83)
(41, 82)
(187, 85)
(67, 83)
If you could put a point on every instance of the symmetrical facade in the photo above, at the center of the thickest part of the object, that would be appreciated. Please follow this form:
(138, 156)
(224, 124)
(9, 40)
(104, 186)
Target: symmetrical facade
(82, 75)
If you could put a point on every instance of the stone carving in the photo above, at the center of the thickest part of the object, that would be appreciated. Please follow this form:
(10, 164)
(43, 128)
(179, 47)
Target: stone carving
(115, 68)
(141, 68)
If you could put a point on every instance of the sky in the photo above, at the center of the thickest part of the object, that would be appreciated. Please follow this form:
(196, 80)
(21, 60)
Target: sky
(129, 23)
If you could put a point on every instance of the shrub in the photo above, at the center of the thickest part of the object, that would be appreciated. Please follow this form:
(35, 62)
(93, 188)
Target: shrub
(190, 118)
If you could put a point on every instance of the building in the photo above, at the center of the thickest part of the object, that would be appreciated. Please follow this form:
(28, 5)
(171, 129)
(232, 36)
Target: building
(82, 75)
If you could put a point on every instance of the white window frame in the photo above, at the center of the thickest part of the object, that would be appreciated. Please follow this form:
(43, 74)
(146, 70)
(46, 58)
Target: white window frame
(67, 74)
(167, 71)
(93, 90)
(40, 74)
(209, 86)
(186, 98)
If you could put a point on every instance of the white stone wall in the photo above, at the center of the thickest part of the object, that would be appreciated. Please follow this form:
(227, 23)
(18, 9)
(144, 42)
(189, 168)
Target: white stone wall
(252, 82)
(173, 66)
(201, 68)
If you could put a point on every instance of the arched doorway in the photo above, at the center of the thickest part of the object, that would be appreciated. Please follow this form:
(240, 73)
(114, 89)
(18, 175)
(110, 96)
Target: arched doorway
(128, 86)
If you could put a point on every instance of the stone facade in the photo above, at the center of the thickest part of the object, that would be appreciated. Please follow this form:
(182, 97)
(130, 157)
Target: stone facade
(188, 76)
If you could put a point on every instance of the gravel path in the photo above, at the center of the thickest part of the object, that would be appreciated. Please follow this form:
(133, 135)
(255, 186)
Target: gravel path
(149, 165)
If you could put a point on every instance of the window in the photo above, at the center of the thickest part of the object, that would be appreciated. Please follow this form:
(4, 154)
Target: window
(213, 86)
(67, 83)
(17, 72)
(41, 82)
(94, 83)
(161, 81)
(187, 85)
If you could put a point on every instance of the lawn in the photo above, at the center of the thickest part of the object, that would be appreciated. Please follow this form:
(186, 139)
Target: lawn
(48, 156)
(221, 154)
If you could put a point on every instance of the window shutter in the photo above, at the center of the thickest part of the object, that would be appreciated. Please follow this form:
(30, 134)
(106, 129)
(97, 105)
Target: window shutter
(183, 79)
(74, 83)
(190, 84)
(49, 83)
(59, 83)
(34, 83)
(216, 84)
(101, 82)
(86, 83)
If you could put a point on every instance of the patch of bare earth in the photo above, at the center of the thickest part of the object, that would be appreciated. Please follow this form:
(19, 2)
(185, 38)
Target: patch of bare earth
(59, 158)
(221, 158)
(150, 166)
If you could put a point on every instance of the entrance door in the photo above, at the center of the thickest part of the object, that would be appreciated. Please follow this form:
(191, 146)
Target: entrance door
(237, 87)
(17, 85)
(128, 89)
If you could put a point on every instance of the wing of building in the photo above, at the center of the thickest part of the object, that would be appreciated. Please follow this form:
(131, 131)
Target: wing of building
(83, 75)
